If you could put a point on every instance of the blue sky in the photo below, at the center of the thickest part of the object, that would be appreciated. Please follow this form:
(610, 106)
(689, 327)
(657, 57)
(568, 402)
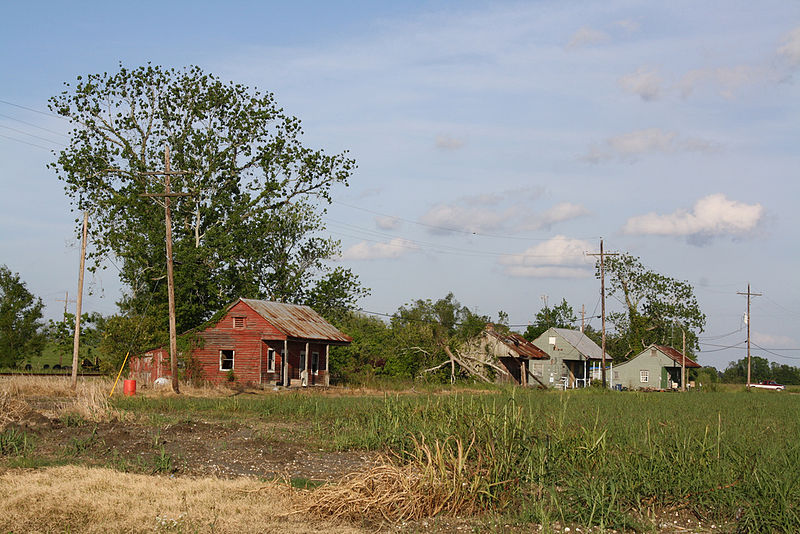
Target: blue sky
(496, 141)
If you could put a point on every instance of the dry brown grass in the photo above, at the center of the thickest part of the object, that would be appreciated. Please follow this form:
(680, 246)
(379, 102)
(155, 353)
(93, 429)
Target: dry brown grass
(79, 499)
(89, 399)
(437, 480)
(11, 409)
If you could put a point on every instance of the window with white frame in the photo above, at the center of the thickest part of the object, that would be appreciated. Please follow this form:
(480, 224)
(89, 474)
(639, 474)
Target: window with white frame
(238, 322)
(302, 365)
(538, 368)
(271, 360)
(644, 376)
(226, 360)
(315, 363)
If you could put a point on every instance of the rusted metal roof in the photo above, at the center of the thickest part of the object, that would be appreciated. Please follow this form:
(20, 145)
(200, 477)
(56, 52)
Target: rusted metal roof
(297, 321)
(517, 343)
(676, 356)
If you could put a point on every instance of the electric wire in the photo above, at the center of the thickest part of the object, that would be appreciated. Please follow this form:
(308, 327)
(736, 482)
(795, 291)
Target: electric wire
(31, 135)
(26, 142)
(32, 125)
(775, 353)
(451, 229)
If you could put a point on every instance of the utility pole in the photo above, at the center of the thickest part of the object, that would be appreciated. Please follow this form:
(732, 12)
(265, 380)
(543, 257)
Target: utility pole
(749, 294)
(683, 362)
(66, 302)
(77, 340)
(583, 316)
(166, 195)
(603, 303)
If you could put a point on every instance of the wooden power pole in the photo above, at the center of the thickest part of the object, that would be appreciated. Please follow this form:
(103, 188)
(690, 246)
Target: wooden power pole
(683, 362)
(603, 303)
(583, 317)
(77, 339)
(66, 303)
(749, 294)
(166, 195)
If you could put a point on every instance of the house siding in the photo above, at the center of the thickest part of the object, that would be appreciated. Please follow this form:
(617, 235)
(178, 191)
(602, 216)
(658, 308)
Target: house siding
(656, 363)
(554, 369)
(250, 342)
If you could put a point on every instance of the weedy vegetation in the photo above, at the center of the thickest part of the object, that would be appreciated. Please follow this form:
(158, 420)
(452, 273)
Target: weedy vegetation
(609, 460)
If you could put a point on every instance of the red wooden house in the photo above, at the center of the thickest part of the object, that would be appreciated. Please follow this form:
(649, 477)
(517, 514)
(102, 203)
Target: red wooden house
(256, 342)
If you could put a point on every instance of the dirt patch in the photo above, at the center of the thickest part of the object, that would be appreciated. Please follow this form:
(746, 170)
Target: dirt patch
(189, 448)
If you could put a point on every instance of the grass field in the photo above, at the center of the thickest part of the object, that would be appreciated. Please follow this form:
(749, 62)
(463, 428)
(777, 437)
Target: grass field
(725, 461)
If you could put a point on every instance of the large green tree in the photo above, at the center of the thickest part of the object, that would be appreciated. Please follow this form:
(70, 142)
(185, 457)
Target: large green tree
(251, 226)
(559, 316)
(658, 308)
(425, 330)
(21, 323)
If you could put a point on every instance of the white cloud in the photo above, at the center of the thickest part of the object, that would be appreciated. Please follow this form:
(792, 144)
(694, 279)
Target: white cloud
(790, 50)
(448, 143)
(711, 216)
(559, 213)
(491, 213)
(375, 251)
(727, 80)
(770, 341)
(586, 36)
(644, 83)
(445, 218)
(630, 25)
(653, 140)
(388, 223)
(559, 257)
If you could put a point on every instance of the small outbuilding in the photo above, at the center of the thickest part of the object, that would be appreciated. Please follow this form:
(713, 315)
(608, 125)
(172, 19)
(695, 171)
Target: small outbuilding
(573, 361)
(656, 367)
(513, 354)
(254, 342)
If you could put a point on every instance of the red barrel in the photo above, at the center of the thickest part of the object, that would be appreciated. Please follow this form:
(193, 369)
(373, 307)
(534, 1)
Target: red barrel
(129, 387)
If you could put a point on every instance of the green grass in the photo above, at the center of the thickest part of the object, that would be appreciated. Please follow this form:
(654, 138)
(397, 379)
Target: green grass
(586, 457)
(15, 442)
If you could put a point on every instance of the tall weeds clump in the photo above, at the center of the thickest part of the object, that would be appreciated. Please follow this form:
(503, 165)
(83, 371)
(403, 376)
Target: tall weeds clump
(12, 409)
(89, 400)
(584, 458)
(438, 478)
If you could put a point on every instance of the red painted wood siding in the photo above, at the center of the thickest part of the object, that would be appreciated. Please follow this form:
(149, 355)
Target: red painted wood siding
(250, 345)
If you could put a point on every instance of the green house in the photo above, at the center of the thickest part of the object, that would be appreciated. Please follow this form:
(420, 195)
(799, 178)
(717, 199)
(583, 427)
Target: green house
(656, 367)
(573, 361)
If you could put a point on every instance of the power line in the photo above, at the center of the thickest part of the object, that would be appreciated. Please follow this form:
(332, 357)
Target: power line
(26, 142)
(722, 347)
(47, 113)
(720, 336)
(32, 125)
(449, 229)
(778, 355)
(413, 244)
(31, 135)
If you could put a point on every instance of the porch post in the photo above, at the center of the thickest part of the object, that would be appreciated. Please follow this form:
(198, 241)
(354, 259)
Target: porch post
(327, 365)
(307, 370)
(586, 380)
(285, 363)
(524, 373)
